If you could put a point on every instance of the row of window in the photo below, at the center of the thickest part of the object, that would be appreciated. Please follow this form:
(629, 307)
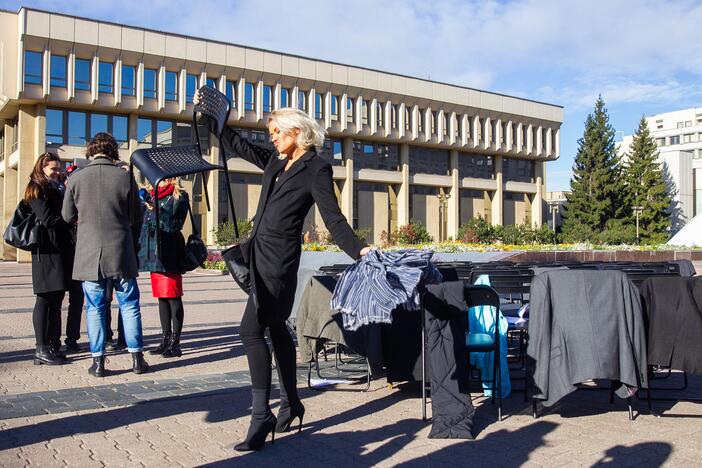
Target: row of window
(678, 139)
(106, 84)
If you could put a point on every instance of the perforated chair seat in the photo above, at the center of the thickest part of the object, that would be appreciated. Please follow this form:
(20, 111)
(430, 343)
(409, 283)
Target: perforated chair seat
(161, 163)
(479, 342)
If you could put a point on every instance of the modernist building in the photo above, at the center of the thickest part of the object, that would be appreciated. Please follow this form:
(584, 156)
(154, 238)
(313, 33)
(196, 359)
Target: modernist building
(678, 135)
(402, 148)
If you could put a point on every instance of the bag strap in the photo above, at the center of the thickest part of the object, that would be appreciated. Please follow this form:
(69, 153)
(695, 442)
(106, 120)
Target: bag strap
(192, 220)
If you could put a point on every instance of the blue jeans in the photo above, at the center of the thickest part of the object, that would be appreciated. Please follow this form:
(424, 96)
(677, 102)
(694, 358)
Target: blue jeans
(127, 292)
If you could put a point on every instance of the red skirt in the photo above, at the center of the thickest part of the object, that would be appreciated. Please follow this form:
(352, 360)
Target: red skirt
(166, 285)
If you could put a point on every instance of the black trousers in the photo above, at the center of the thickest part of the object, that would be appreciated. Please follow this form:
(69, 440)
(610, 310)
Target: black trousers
(259, 356)
(75, 311)
(46, 318)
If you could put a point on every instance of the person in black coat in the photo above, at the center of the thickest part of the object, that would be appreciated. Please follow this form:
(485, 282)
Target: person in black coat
(52, 260)
(294, 178)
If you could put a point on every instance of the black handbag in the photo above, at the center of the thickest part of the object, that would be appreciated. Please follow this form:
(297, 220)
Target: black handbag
(236, 264)
(23, 231)
(195, 252)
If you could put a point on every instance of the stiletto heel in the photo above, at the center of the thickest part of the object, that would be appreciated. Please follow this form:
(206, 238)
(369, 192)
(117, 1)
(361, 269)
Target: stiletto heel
(273, 436)
(287, 416)
(258, 433)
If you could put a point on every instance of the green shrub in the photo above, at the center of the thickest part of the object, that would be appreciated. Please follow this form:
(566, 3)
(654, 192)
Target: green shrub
(224, 233)
(511, 234)
(476, 231)
(412, 233)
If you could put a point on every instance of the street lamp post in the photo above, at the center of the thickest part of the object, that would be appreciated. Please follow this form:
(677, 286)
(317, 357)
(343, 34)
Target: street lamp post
(553, 205)
(443, 199)
(638, 209)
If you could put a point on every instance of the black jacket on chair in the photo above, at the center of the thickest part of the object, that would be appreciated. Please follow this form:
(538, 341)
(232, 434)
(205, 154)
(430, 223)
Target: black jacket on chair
(52, 260)
(274, 249)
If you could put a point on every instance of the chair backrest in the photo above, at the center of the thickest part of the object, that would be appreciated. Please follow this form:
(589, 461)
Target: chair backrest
(479, 295)
(214, 105)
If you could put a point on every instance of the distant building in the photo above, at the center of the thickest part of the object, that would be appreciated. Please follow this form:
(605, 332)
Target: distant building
(678, 135)
(401, 148)
(553, 208)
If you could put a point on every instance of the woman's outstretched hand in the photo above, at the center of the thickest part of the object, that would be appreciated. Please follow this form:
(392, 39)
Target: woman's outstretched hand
(365, 250)
(196, 97)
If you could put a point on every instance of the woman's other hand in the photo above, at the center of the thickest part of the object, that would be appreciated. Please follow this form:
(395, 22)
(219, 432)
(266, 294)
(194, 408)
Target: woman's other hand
(196, 97)
(365, 250)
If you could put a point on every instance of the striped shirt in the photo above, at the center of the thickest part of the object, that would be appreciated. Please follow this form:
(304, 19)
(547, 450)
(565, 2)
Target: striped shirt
(369, 290)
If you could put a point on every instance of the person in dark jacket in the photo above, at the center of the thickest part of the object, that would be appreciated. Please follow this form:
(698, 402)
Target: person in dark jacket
(167, 268)
(52, 260)
(294, 178)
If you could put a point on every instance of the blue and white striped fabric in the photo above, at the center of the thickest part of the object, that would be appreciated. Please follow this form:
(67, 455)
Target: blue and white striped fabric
(371, 288)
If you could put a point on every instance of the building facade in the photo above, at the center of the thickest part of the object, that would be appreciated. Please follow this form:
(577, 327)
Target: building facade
(678, 135)
(402, 148)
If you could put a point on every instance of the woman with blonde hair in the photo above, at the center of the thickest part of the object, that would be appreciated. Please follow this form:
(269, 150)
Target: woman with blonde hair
(52, 259)
(167, 268)
(294, 178)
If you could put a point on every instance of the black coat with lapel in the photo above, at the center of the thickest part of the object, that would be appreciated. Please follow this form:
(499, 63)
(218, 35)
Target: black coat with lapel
(274, 250)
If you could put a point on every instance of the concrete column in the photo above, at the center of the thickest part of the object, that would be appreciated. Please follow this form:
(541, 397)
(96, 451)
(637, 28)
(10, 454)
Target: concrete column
(46, 76)
(359, 114)
(294, 99)
(453, 206)
(94, 78)
(327, 109)
(487, 132)
(71, 74)
(211, 218)
(31, 127)
(387, 121)
(343, 112)
(182, 79)
(373, 116)
(312, 103)
(476, 131)
(161, 89)
(549, 140)
(465, 130)
(132, 133)
(117, 81)
(520, 137)
(276, 96)
(428, 118)
(140, 84)
(258, 100)
(530, 143)
(509, 137)
(557, 149)
(499, 137)
(403, 194)
(241, 92)
(539, 140)
(415, 122)
(454, 129)
(347, 190)
(498, 197)
(10, 191)
(537, 215)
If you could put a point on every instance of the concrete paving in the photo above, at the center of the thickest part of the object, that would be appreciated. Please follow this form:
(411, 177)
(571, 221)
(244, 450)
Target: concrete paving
(189, 411)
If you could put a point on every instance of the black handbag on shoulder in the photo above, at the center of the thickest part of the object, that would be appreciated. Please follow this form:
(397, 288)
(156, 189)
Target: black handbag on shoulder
(23, 231)
(195, 252)
(236, 264)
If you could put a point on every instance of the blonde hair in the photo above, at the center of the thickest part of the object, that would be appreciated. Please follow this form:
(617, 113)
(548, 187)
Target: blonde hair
(172, 181)
(288, 118)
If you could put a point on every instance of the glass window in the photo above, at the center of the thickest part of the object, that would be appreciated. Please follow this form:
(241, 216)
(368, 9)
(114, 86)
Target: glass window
(98, 123)
(318, 106)
(475, 165)
(368, 155)
(675, 140)
(171, 86)
(249, 96)
(82, 74)
(660, 141)
(58, 71)
(380, 114)
(518, 170)
(120, 125)
(428, 160)
(76, 128)
(335, 107)
(144, 133)
(190, 88)
(128, 80)
(54, 127)
(230, 91)
(164, 133)
(332, 151)
(349, 110)
(420, 120)
(212, 83)
(267, 98)
(150, 83)
(302, 100)
(106, 77)
(284, 97)
(32, 67)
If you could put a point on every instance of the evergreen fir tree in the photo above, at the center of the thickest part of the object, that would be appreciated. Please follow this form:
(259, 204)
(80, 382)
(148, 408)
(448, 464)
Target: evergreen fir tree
(646, 187)
(596, 185)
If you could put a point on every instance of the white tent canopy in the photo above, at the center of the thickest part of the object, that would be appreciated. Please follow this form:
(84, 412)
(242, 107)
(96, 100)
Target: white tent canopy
(690, 235)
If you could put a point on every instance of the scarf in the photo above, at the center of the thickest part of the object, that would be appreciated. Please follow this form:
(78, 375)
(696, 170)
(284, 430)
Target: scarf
(163, 191)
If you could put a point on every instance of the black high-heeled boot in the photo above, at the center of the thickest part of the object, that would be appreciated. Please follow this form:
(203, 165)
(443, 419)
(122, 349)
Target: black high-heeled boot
(287, 414)
(45, 355)
(262, 423)
(173, 348)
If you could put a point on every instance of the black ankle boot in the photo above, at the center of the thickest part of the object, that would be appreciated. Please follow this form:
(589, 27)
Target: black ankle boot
(139, 365)
(165, 340)
(98, 367)
(173, 349)
(262, 423)
(287, 414)
(44, 355)
(56, 350)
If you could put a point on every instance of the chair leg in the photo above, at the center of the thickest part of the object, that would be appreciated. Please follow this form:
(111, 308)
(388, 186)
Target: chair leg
(533, 408)
(499, 392)
(631, 410)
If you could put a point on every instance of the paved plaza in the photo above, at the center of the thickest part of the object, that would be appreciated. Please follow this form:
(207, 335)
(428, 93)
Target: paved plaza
(189, 411)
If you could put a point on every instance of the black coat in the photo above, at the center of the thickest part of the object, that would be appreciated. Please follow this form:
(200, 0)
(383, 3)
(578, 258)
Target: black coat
(274, 249)
(52, 261)
(673, 307)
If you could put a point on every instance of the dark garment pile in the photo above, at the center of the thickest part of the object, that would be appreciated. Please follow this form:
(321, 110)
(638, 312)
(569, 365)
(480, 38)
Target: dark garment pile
(673, 307)
(585, 325)
(369, 290)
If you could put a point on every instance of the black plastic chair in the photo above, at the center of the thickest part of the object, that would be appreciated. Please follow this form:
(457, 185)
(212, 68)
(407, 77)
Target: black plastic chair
(157, 164)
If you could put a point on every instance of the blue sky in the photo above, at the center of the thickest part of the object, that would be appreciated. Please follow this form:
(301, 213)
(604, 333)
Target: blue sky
(644, 57)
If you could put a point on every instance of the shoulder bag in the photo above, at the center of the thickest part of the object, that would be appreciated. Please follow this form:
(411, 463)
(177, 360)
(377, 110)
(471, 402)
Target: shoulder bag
(23, 230)
(195, 249)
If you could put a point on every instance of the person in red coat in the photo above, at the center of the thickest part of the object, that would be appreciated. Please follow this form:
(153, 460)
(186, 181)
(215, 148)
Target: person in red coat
(167, 268)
